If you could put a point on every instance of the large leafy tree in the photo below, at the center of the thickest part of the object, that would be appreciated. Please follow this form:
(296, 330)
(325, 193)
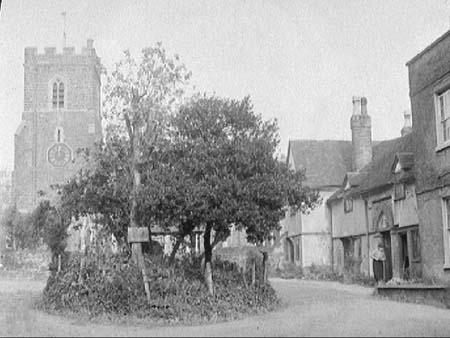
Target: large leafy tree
(140, 95)
(214, 168)
(224, 156)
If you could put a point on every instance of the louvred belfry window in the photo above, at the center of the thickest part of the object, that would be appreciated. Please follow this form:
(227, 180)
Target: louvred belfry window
(55, 95)
(58, 94)
(61, 95)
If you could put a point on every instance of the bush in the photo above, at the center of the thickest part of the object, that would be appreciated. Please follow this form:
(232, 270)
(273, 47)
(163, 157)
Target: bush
(359, 278)
(322, 272)
(178, 293)
(32, 259)
(289, 271)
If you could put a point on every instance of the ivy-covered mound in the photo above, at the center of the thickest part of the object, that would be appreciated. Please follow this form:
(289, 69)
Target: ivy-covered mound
(178, 293)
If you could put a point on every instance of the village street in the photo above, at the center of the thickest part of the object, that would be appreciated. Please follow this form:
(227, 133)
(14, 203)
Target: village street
(312, 309)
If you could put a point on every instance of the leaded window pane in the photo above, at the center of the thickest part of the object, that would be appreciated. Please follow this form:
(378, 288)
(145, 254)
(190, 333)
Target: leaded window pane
(54, 97)
(61, 95)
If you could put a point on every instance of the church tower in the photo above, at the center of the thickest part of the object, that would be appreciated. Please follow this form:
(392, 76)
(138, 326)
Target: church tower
(61, 114)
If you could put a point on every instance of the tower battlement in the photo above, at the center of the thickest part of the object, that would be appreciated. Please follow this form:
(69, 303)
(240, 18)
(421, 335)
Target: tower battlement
(50, 53)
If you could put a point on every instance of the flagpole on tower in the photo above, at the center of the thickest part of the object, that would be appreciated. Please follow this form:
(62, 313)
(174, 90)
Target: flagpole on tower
(64, 28)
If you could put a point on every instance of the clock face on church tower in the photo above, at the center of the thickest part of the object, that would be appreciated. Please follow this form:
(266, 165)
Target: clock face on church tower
(59, 154)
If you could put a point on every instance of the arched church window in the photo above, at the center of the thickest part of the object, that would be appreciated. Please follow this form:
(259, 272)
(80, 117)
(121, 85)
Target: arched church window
(58, 94)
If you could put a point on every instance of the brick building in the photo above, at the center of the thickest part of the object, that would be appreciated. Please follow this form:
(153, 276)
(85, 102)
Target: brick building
(61, 114)
(429, 85)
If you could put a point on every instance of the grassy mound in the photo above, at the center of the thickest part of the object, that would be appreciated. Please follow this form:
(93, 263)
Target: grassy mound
(178, 293)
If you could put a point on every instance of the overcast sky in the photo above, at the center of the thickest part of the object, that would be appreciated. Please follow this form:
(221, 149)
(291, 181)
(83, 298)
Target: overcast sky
(300, 61)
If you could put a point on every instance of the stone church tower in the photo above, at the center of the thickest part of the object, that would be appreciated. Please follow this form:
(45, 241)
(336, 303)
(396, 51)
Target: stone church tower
(61, 114)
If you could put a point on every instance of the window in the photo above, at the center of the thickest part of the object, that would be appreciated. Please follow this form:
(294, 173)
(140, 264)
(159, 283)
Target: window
(399, 191)
(443, 118)
(58, 94)
(383, 221)
(348, 205)
(59, 135)
(55, 95)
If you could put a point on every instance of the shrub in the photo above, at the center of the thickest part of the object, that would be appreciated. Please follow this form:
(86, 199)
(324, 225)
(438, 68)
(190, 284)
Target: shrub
(321, 272)
(177, 293)
(359, 278)
(25, 263)
(289, 271)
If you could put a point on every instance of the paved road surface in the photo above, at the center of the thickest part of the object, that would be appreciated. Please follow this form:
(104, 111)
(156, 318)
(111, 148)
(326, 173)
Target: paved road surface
(314, 309)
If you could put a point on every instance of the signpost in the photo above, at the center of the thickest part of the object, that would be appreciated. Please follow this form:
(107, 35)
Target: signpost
(140, 235)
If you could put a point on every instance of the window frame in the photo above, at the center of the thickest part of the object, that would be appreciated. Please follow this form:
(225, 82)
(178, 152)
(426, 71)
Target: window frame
(399, 195)
(442, 117)
(57, 93)
(348, 205)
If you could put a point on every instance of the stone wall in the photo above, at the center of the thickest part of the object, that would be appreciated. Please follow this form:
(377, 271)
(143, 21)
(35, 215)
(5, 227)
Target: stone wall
(429, 75)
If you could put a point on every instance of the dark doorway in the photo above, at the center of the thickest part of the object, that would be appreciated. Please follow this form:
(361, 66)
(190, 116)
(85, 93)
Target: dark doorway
(404, 256)
(289, 254)
(388, 252)
(347, 243)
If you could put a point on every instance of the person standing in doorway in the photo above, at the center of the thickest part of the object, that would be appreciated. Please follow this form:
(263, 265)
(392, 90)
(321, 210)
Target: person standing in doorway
(379, 257)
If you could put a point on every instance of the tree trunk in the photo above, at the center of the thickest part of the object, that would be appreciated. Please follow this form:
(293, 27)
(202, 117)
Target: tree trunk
(213, 245)
(264, 266)
(208, 257)
(136, 248)
(175, 249)
(244, 271)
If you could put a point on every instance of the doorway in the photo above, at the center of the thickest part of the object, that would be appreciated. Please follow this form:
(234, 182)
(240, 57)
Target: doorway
(289, 253)
(386, 236)
(404, 256)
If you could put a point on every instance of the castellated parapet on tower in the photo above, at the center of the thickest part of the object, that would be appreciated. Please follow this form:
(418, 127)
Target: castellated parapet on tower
(61, 114)
(360, 123)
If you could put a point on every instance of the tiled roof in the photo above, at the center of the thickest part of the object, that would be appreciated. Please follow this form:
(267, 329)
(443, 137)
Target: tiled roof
(378, 173)
(326, 162)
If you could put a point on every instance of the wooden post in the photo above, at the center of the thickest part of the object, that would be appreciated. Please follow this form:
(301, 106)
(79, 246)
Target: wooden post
(137, 235)
(146, 284)
(253, 272)
(264, 266)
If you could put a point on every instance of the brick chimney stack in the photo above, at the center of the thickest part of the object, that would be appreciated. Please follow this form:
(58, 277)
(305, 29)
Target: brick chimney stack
(407, 128)
(361, 126)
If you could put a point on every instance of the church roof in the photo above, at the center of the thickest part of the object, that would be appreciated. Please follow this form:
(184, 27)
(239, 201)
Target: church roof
(326, 162)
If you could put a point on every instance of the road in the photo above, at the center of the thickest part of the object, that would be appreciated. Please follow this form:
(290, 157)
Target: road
(312, 309)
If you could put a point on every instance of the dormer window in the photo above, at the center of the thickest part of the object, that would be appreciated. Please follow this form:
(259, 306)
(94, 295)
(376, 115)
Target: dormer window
(399, 191)
(58, 94)
(348, 204)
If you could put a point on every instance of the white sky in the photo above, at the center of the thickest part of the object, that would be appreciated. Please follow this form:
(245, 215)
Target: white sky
(300, 61)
